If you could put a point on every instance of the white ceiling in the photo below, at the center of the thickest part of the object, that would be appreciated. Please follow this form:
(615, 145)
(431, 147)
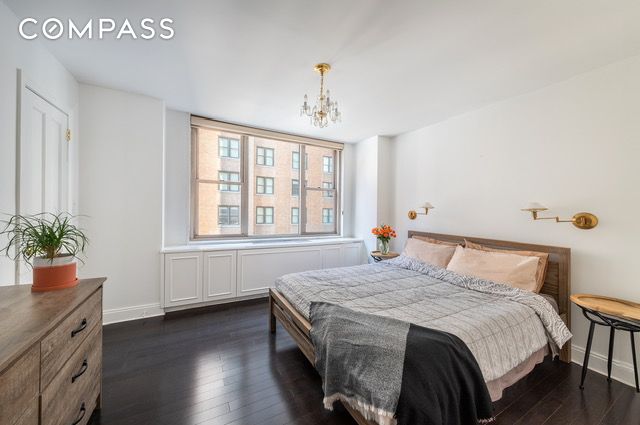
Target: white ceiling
(397, 65)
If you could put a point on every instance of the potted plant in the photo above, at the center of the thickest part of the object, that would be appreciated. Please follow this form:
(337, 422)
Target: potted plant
(50, 243)
(384, 233)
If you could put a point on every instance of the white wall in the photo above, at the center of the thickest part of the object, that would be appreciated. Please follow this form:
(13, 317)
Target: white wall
(54, 81)
(573, 146)
(121, 168)
(348, 202)
(177, 178)
(373, 182)
(366, 197)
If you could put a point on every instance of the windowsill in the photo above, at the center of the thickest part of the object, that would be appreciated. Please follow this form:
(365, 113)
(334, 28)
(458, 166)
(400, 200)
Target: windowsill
(223, 245)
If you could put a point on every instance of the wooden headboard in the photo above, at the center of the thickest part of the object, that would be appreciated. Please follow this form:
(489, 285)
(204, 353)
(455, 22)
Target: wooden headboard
(557, 282)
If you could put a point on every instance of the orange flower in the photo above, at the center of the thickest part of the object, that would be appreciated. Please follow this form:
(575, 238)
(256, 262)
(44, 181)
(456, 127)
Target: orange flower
(384, 231)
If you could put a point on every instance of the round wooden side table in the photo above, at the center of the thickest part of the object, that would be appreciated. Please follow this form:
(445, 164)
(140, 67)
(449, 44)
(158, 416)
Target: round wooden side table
(379, 256)
(617, 314)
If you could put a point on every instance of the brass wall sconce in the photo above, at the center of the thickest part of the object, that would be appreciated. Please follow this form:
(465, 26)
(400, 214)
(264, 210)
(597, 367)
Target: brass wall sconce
(426, 206)
(582, 220)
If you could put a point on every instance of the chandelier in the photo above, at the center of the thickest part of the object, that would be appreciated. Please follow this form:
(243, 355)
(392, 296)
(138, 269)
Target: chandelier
(325, 109)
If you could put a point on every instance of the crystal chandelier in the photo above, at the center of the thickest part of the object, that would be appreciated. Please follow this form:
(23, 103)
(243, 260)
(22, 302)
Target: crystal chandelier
(325, 109)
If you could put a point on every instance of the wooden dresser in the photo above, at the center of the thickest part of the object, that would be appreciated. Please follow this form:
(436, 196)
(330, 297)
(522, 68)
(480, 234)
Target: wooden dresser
(50, 354)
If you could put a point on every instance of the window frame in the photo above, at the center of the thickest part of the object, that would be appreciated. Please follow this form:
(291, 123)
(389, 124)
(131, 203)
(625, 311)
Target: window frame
(229, 183)
(297, 215)
(265, 215)
(244, 157)
(327, 190)
(265, 185)
(265, 156)
(331, 216)
(229, 148)
(228, 207)
(330, 165)
(295, 183)
(295, 154)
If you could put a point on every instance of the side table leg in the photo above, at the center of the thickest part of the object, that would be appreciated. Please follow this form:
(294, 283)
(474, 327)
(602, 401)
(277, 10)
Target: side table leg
(585, 363)
(612, 334)
(635, 362)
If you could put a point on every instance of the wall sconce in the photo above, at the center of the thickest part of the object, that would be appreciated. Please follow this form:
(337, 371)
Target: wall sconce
(582, 220)
(426, 206)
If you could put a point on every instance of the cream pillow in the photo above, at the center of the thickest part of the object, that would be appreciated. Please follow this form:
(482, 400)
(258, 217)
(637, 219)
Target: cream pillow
(543, 259)
(431, 253)
(518, 271)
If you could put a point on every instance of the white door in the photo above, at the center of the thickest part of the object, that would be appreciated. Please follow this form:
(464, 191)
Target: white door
(44, 156)
(43, 164)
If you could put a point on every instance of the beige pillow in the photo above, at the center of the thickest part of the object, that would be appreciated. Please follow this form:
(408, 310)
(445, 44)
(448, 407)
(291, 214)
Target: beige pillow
(431, 240)
(518, 271)
(431, 253)
(543, 259)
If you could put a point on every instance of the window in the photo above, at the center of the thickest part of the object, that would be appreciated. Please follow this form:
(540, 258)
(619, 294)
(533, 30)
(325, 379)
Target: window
(264, 215)
(295, 160)
(327, 193)
(228, 176)
(264, 156)
(229, 215)
(264, 185)
(228, 147)
(234, 192)
(327, 164)
(327, 216)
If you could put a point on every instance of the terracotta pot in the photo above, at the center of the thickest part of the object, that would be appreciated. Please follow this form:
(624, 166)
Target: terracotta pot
(59, 274)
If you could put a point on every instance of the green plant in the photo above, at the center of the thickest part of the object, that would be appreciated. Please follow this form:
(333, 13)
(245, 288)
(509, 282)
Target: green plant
(43, 235)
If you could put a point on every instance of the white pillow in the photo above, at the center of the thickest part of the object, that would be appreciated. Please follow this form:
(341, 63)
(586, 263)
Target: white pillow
(430, 253)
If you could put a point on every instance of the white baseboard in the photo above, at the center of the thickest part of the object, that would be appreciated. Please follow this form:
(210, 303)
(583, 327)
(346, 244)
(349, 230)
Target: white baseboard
(620, 371)
(124, 314)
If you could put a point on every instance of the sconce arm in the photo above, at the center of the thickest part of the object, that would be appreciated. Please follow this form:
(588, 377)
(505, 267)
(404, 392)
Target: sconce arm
(582, 220)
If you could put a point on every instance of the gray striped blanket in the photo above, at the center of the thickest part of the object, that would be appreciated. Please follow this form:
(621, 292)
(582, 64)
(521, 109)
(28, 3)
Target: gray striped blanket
(501, 325)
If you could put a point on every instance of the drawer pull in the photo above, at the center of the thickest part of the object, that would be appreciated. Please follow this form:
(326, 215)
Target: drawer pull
(80, 328)
(83, 411)
(81, 372)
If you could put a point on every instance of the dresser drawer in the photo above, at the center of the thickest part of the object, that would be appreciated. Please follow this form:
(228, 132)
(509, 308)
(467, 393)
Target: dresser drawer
(58, 346)
(30, 416)
(77, 383)
(19, 388)
(77, 412)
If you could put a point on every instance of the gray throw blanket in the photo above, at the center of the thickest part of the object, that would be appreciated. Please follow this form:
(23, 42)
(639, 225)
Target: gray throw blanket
(360, 360)
(390, 370)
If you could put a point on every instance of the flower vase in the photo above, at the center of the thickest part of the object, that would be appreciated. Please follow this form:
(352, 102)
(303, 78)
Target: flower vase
(384, 246)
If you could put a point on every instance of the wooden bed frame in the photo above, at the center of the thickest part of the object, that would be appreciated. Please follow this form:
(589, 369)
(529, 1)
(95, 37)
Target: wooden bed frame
(557, 284)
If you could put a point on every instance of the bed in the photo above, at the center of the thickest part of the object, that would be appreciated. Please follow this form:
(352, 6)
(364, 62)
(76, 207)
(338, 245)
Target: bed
(289, 305)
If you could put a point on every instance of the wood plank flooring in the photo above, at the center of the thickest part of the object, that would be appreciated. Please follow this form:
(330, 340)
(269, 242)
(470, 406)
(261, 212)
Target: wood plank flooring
(223, 367)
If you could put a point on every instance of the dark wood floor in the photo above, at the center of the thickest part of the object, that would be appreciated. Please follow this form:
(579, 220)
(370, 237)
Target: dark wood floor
(223, 367)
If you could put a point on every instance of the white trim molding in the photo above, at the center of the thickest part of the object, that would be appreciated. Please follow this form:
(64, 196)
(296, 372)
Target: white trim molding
(116, 315)
(620, 371)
